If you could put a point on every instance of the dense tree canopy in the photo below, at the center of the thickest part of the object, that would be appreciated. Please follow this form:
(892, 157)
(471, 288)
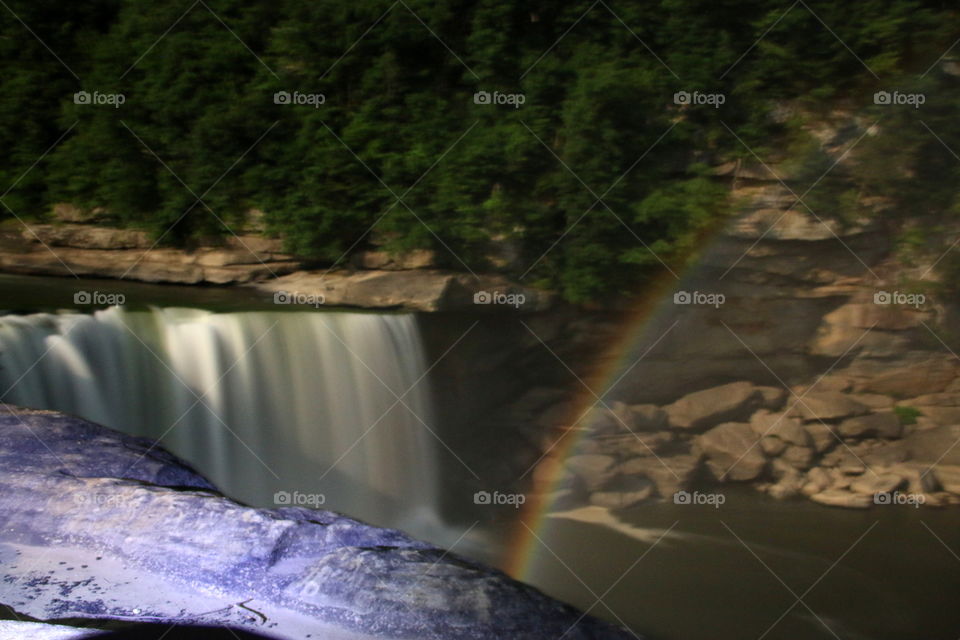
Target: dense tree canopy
(596, 180)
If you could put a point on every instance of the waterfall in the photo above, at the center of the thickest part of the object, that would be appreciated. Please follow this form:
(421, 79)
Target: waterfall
(260, 402)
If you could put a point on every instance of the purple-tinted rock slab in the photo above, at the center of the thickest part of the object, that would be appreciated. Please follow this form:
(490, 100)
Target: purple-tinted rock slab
(96, 524)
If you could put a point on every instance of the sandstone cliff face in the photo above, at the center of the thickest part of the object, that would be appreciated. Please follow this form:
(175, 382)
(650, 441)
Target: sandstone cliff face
(81, 249)
(373, 280)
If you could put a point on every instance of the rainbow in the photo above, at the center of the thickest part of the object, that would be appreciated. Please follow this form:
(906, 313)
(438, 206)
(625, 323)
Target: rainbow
(622, 353)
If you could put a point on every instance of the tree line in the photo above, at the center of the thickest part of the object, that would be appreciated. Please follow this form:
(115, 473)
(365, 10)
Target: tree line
(567, 143)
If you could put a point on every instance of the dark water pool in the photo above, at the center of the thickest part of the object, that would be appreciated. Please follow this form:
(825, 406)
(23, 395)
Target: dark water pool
(756, 568)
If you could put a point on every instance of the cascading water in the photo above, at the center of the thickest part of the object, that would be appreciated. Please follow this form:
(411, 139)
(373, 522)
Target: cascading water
(324, 404)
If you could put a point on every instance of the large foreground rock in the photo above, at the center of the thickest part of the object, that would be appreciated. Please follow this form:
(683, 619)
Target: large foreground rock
(95, 524)
(732, 451)
(704, 409)
(828, 405)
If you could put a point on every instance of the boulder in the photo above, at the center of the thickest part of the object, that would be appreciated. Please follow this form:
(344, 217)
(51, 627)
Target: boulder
(600, 421)
(930, 375)
(885, 424)
(669, 473)
(798, 457)
(810, 488)
(920, 478)
(772, 446)
(875, 401)
(934, 445)
(98, 525)
(817, 480)
(772, 398)
(886, 455)
(948, 476)
(851, 466)
(592, 468)
(703, 409)
(828, 405)
(841, 498)
(788, 486)
(871, 484)
(821, 435)
(641, 417)
(732, 452)
(779, 425)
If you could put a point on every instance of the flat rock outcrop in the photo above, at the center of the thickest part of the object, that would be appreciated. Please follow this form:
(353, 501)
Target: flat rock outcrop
(98, 525)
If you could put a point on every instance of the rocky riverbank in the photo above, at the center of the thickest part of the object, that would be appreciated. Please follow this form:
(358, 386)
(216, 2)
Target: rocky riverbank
(839, 443)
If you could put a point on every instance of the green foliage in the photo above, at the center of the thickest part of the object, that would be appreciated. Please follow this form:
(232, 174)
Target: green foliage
(908, 415)
(598, 180)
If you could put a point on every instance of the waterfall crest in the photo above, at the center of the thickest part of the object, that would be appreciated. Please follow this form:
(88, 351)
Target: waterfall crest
(325, 404)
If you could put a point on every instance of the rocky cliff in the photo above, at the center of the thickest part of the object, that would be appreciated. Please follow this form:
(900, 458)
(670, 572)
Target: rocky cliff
(77, 246)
